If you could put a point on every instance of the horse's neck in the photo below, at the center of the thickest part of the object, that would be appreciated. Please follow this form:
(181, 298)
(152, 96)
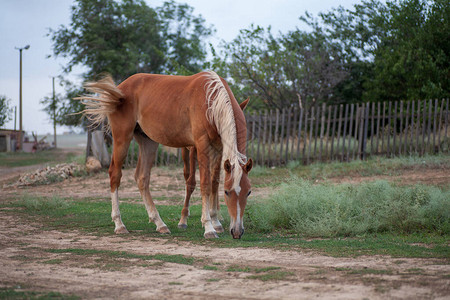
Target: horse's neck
(241, 129)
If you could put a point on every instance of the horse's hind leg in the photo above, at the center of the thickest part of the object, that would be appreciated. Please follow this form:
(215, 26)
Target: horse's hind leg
(147, 154)
(120, 150)
(189, 159)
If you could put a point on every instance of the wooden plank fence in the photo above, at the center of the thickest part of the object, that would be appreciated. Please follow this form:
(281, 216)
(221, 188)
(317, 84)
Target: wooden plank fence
(342, 132)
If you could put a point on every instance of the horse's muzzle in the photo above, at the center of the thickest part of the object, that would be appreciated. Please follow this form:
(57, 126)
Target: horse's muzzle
(236, 234)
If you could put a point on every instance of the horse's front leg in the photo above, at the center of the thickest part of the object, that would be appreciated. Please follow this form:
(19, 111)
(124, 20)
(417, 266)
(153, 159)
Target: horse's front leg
(203, 156)
(214, 198)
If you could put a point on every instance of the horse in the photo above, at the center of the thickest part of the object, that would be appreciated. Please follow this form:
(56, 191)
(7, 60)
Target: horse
(189, 157)
(177, 111)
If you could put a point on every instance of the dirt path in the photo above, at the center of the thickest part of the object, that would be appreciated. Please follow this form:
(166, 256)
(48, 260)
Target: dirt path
(25, 261)
(29, 258)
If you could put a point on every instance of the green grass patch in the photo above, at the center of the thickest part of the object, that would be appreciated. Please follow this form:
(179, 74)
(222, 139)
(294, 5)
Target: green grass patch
(264, 176)
(178, 259)
(211, 268)
(17, 293)
(236, 268)
(92, 215)
(19, 159)
(326, 210)
(272, 276)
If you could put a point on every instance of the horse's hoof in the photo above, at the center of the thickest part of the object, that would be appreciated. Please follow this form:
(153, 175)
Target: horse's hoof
(211, 235)
(218, 229)
(182, 226)
(163, 230)
(121, 230)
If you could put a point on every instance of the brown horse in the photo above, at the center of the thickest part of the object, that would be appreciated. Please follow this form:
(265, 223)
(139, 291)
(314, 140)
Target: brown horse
(178, 111)
(189, 156)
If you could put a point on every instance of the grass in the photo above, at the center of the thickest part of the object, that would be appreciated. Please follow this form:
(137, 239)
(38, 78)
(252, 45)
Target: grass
(93, 216)
(325, 210)
(17, 293)
(19, 159)
(264, 176)
(177, 259)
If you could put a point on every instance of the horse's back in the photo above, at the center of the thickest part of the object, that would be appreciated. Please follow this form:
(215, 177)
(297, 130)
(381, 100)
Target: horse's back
(166, 106)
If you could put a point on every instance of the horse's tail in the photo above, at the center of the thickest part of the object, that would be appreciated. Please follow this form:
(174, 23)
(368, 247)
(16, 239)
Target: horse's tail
(104, 99)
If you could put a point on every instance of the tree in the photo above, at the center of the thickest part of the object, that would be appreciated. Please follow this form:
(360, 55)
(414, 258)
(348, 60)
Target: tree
(5, 110)
(127, 37)
(402, 47)
(398, 50)
(277, 71)
(65, 110)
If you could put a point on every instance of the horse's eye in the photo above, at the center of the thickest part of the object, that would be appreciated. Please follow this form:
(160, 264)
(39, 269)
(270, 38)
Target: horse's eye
(227, 193)
(249, 192)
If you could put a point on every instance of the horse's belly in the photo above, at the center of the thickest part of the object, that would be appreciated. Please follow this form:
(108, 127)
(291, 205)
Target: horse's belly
(169, 132)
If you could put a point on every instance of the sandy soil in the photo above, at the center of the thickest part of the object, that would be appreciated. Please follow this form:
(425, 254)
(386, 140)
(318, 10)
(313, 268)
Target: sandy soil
(26, 262)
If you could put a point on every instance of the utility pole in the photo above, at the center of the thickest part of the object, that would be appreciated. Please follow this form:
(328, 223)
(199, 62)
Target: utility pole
(20, 99)
(15, 117)
(54, 112)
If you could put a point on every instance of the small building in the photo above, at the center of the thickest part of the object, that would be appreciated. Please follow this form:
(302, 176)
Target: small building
(8, 140)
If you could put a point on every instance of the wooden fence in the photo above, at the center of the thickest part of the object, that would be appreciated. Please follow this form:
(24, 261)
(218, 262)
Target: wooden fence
(339, 132)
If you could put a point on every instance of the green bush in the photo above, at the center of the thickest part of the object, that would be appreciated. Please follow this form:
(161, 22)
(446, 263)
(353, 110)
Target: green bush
(327, 210)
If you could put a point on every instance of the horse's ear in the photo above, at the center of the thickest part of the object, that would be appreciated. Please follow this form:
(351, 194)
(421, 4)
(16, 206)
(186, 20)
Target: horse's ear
(244, 104)
(248, 166)
(227, 166)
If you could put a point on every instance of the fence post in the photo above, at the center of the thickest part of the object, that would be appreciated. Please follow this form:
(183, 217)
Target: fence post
(344, 132)
(288, 129)
(299, 132)
(335, 108)
(408, 103)
(283, 118)
(446, 121)
(310, 134)
(352, 107)
(327, 134)
(434, 125)
(277, 123)
(292, 135)
(366, 128)
(270, 138)
(378, 127)
(322, 127)
(258, 128)
(389, 129)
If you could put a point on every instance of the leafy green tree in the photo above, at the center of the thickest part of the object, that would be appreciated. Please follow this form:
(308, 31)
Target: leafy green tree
(127, 37)
(5, 110)
(64, 110)
(278, 71)
(183, 34)
(375, 51)
(401, 47)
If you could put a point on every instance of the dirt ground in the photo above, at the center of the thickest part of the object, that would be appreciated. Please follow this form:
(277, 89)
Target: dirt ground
(26, 265)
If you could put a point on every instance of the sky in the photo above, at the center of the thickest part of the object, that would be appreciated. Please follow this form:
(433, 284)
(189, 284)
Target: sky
(26, 22)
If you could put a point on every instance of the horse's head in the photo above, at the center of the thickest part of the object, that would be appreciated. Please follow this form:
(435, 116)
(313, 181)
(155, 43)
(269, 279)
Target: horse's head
(236, 198)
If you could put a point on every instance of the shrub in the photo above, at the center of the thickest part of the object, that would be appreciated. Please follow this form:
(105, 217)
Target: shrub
(327, 210)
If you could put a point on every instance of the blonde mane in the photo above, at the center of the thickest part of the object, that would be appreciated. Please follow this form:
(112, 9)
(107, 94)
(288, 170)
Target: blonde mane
(220, 113)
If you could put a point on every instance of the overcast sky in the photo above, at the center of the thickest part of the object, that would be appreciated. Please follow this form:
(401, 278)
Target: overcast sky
(24, 22)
